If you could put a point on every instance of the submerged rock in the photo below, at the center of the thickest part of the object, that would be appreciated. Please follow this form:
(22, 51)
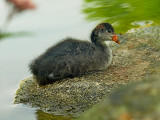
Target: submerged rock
(135, 58)
(40, 115)
(138, 101)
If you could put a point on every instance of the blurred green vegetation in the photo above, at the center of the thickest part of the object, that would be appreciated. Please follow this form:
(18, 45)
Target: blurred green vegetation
(123, 14)
(4, 35)
(14, 34)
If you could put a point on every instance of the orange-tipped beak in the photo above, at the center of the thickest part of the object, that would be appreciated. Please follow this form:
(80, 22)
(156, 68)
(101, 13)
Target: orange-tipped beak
(115, 38)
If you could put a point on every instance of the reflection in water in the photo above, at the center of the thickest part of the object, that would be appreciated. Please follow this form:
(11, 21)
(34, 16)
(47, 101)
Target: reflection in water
(46, 116)
(123, 13)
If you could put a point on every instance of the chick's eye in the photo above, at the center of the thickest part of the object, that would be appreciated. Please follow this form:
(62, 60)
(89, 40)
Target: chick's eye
(109, 31)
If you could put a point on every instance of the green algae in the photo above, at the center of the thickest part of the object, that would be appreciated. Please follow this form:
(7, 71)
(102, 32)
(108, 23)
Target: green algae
(40, 115)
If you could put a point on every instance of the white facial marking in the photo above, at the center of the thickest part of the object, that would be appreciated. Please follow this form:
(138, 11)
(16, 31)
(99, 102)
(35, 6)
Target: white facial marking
(50, 76)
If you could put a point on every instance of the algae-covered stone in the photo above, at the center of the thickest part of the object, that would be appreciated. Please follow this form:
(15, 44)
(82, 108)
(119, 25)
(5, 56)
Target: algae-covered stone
(138, 101)
(40, 115)
(136, 57)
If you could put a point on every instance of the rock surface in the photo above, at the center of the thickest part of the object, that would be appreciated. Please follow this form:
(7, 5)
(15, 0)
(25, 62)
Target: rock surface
(136, 57)
(138, 101)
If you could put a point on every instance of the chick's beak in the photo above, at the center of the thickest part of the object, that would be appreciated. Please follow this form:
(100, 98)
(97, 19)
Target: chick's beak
(115, 38)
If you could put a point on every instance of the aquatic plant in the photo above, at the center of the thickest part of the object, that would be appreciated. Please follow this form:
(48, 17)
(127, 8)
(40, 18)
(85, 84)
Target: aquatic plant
(16, 7)
(22, 5)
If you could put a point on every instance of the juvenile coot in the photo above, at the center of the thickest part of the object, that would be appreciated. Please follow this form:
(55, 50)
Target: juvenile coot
(73, 57)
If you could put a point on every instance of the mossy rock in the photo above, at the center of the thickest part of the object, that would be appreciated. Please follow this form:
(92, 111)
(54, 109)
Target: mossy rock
(138, 101)
(135, 58)
(69, 97)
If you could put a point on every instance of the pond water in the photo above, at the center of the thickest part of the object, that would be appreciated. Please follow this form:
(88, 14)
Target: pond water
(52, 21)
(49, 23)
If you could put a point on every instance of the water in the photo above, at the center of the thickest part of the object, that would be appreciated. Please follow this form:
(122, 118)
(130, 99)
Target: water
(52, 21)
(49, 23)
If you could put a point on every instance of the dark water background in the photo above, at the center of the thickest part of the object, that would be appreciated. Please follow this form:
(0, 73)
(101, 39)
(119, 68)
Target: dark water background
(52, 21)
